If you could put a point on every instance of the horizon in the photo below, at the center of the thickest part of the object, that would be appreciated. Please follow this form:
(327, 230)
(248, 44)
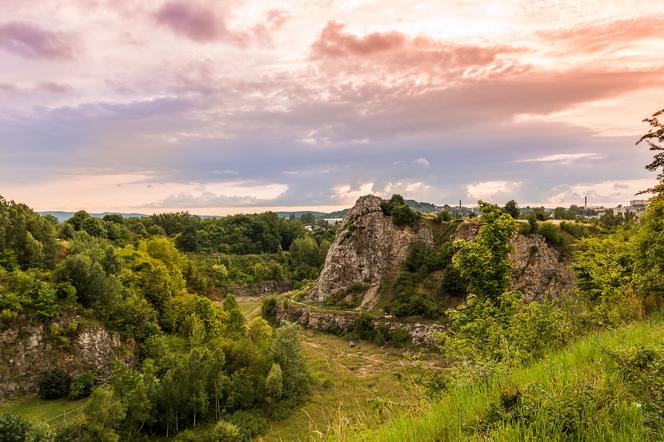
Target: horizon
(158, 106)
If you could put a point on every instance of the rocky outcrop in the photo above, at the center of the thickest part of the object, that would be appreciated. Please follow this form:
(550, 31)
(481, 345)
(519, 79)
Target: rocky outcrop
(368, 248)
(28, 352)
(419, 333)
(539, 270)
(261, 289)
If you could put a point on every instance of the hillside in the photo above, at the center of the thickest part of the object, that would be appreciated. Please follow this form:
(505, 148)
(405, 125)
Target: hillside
(607, 386)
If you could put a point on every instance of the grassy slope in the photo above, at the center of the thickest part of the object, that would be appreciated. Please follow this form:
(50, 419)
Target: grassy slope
(350, 385)
(37, 410)
(456, 416)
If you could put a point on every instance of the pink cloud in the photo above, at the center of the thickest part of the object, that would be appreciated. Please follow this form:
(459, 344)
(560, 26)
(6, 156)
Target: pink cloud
(607, 36)
(399, 53)
(31, 41)
(204, 24)
(56, 88)
(192, 21)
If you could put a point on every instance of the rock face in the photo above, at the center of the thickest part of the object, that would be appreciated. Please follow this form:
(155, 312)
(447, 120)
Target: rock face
(368, 248)
(27, 353)
(260, 289)
(419, 333)
(539, 270)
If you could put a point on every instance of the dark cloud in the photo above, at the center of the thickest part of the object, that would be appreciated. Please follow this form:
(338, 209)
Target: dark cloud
(206, 23)
(32, 41)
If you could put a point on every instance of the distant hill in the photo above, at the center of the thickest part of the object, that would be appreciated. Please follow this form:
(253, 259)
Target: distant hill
(64, 216)
(422, 207)
(299, 213)
(416, 205)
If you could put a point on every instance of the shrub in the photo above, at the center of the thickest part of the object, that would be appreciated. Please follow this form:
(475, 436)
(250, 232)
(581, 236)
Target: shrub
(223, 432)
(17, 429)
(248, 423)
(397, 337)
(82, 385)
(54, 385)
(269, 310)
(404, 216)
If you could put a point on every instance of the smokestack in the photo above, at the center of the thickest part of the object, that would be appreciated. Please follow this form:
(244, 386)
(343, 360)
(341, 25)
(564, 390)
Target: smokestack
(585, 202)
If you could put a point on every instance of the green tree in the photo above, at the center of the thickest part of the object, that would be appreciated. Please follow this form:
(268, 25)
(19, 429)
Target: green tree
(287, 350)
(512, 208)
(648, 251)
(484, 263)
(104, 414)
(236, 321)
(274, 384)
(654, 138)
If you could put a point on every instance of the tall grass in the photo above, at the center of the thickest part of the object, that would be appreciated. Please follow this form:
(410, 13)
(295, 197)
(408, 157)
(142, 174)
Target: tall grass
(575, 394)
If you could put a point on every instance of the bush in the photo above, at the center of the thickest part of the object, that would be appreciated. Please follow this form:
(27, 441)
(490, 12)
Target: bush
(17, 429)
(269, 310)
(82, 385)
(54, 385)
(553, 235)
(248, 423)
(397, 337)
(223, 432)
(363, 327)
(404, 216)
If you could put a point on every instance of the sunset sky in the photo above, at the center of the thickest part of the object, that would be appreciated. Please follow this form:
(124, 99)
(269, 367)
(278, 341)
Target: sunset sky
(226, 106)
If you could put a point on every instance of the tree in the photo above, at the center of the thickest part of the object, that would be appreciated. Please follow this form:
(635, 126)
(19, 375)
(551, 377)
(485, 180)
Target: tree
(54, 385)
(236, 320)
(308, 219)
(287, 350)
(484, 263)
(274, 384)
(512, 209)
(648, 251)
(104, 413)
(187, 241)
(654, 138)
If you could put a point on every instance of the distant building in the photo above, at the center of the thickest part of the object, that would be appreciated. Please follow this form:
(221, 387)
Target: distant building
(334, 221)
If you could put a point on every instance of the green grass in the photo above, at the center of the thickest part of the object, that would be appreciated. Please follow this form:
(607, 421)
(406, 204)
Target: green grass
(560, 381)
(358, 384)
(364, 383)
(54, 412)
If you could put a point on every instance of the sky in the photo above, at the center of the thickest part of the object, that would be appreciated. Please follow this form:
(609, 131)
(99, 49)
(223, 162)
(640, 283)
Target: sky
(227, 106)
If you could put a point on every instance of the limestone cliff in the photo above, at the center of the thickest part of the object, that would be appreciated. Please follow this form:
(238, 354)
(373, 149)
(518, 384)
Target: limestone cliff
(29, 351)
(368, 247)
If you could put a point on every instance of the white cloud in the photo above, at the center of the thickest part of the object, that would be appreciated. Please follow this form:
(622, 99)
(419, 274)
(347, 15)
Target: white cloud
(492, 190)
(606, 193)
(348, 194)
(133, 192)
(421, 161)
(563, 158)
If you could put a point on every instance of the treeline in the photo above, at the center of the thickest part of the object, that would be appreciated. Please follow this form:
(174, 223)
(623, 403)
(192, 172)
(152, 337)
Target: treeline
(198, 361)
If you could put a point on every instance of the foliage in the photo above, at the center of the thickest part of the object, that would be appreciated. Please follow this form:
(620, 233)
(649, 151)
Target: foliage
(16, 429)
(502, 330)
(248, 423)
(54, 385)
(401, 214)
(647, 251)
(512, 208)
(81, 386)
(604, 272)
(269, 310)
(654, 138)
(483, 263)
